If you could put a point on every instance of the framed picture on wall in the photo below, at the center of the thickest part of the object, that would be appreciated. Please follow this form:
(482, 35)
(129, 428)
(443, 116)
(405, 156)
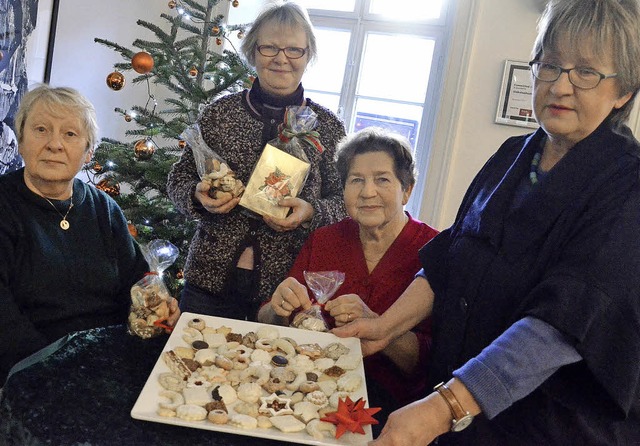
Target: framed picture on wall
(514, 104)
(39, 53)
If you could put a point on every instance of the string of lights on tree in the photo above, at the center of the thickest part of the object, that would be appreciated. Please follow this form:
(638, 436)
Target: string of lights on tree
(191, 61)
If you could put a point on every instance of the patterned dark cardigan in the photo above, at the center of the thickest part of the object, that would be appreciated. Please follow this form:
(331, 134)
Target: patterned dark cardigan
(234, 131)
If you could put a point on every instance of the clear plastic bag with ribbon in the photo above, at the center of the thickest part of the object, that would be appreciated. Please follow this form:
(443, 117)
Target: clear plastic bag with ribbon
(283, 167)
(296, 130)
(323, 285)
(211, 168)
(149, 296)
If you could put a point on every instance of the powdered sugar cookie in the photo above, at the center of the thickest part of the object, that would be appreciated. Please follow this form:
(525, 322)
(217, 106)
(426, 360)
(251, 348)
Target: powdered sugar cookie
(228, 394)
(268, 332)
(349, 362)
(170, 399)
(349, 382)
(287, 423)
(196, 396)
(306, 411)
(243, 421)
(191, 412)
(317, 429)
(171, 381)
(249, 392)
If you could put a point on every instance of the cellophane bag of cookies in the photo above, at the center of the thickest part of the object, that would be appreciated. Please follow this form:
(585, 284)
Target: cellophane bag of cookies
(323, 285)
(212, 169)
(149, 296)
(283, 166)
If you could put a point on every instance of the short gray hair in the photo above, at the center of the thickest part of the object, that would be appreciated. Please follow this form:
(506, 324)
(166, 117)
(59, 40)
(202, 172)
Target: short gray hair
(374, 139)
(608, 26)
(59, 97)
(280, 13)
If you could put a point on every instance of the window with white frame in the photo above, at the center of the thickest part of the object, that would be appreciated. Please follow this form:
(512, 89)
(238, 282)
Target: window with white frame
(381, 63)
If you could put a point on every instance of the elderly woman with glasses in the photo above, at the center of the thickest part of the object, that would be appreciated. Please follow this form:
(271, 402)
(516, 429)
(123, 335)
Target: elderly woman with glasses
(235, 260)
(534, 291)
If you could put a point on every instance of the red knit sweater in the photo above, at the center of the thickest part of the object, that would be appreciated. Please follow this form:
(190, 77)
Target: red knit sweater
(338, 248)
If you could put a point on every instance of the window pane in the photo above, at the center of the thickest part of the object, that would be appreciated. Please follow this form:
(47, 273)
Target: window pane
(400, 118)
(407, 9)
(396, 67)
(331, 101)
(327, 72)
(330, 5)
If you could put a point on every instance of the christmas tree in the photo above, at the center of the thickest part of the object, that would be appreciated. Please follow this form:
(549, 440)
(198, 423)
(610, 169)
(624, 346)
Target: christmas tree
(187, 58)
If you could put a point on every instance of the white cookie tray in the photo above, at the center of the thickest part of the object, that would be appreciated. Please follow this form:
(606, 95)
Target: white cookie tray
(147, 403)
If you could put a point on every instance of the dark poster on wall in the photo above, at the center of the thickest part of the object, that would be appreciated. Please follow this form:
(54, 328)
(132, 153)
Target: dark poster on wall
(17, 21)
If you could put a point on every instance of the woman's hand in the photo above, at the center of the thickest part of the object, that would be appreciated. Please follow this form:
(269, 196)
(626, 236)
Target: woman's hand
(216, 206)
(415, 424)
(373, 337)
(288, 297)
(347, 308)
(174, 313)
(301, 212)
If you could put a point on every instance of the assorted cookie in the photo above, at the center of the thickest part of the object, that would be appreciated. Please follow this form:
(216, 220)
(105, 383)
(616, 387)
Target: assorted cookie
(255, 380)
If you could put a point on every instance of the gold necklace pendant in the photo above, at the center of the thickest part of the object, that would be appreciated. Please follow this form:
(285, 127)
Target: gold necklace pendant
(64, 224)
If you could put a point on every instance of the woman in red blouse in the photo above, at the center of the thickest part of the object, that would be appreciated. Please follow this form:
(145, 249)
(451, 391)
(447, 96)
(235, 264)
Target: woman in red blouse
(377, 249)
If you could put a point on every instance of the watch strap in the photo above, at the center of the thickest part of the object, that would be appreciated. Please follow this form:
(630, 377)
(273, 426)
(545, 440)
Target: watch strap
(454, 405)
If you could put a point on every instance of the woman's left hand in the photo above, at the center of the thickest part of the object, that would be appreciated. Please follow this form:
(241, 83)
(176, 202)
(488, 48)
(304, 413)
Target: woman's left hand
(301, 211)
(347, 308)
(174, 313)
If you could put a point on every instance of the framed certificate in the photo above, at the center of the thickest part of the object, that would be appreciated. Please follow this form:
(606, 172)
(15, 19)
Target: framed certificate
(515, 102)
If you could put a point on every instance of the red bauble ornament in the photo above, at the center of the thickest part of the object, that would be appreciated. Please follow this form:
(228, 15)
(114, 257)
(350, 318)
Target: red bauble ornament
(142, 62)
(182, 144)
(218, 41)
(180, 274)
(193, 71)
(172, 4)
(235, 3)
(115, 81)
(111, 189)
(144, 149)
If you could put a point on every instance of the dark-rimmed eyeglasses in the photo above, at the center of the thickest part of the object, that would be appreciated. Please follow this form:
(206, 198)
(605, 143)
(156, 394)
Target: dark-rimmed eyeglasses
(581, 77)
(291, 52)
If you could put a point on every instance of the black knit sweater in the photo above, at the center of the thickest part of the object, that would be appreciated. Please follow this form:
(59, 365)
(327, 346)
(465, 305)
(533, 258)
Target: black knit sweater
(235, 131)
(53, 282)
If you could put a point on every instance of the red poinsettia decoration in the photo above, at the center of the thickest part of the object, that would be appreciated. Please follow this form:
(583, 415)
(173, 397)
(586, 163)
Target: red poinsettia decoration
(351, 416)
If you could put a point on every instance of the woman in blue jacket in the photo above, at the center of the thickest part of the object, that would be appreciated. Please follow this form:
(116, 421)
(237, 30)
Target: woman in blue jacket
(534, 291)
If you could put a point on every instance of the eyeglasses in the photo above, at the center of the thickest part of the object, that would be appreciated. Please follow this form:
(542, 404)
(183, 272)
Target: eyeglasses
(584, 78)
(291, 52)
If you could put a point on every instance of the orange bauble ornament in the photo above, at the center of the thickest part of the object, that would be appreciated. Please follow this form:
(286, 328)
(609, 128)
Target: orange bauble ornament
(218, 41)
(193, 71)
(127, 118)
(240, 34)
(115, 81)
(144, 149)
(235, 3)
(97, 167)
(111, 189)
(215, 30)
(142, 62)
(172, 4)
(1, 55)
(182, 144)
(132, 230)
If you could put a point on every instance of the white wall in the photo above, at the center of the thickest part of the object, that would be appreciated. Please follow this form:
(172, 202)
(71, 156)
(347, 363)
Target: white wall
(487, 33)
(498, 30)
